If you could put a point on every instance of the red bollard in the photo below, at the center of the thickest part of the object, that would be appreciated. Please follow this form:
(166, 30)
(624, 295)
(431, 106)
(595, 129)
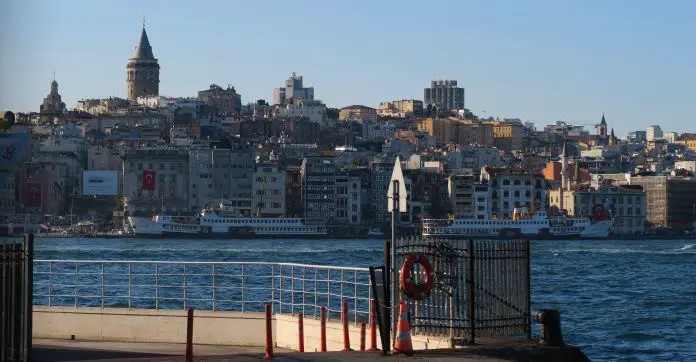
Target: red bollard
(189, 335)
(346, 334)
(362, 336)
(373, 327)
(269, 334)
(300, 334)
(322, 316)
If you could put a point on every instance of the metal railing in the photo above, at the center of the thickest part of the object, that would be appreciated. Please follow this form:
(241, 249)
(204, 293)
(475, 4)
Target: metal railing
(481, 288)
(15, 298)
(217, 286)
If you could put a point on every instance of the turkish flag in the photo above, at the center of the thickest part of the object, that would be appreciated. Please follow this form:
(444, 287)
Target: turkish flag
(33, 198)
(148, 180)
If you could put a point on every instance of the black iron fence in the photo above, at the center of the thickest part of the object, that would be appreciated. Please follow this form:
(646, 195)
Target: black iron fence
(481, 288)
(16, 298)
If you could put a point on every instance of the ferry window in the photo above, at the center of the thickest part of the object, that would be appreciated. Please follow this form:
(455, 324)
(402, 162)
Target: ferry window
(506, 182)
(140, 166)
(517, 182)
(517, 194)
(528, 193)
(527, 182)
(506, 194)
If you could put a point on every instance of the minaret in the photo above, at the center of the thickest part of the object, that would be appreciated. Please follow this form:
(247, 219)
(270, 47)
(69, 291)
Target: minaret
(143, 70)
(564, 168)
(564, 176)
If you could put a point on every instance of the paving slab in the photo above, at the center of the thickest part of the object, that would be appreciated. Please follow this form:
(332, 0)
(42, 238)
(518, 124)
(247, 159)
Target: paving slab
(62, 350)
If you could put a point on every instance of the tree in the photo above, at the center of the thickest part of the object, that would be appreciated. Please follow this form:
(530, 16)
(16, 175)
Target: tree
(261, 103)
(333, 113)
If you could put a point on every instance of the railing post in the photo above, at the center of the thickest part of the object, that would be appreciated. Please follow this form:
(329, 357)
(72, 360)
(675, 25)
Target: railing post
(77, 266)
(130, 281)
(189, 335)
(272, 287)
(213, 283)
(243, 297)
(102, 285)
(304, 277)
(292, 289)
(50, 281)
(269, 333)
(316, 292)
(355, 296)
(280, 289)
(156, 286)
(300, 333)
(185, 285)
(322, 330)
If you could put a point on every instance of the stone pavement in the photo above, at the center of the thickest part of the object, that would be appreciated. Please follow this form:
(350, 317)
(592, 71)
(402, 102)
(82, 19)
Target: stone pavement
(63, 350)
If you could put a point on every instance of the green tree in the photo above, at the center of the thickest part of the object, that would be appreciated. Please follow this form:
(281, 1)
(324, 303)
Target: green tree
(333, 113)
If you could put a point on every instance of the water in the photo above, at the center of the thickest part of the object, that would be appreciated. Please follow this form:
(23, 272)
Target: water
(620, 300)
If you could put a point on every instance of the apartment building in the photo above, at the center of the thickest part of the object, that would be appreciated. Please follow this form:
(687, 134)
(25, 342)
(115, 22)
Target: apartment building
(268, 190)
(348, 196)
(221, 174)
(318, 174)
(512, 187)
(625, 203)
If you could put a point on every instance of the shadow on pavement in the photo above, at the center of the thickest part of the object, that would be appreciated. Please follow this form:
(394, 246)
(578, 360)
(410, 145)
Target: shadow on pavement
(56, 354)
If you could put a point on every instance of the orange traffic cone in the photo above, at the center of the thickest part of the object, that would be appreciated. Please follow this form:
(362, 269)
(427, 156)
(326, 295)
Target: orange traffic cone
(403, 335)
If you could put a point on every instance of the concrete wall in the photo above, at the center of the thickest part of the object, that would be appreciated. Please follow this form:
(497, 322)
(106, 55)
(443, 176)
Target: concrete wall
(216, 328)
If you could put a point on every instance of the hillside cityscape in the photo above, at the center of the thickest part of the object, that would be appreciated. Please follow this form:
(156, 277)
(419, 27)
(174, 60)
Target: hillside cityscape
(101, 160)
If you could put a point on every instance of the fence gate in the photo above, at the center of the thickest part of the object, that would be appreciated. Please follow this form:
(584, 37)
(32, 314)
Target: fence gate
(481, 288)
(16, 298)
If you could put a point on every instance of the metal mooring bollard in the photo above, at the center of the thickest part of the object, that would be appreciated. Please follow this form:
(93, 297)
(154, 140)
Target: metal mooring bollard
(550, 320)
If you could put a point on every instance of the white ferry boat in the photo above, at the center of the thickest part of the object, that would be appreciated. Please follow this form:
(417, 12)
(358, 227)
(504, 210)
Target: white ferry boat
(523, 224)
(222, 224)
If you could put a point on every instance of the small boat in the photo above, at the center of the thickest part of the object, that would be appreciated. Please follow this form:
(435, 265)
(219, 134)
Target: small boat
(375, 233)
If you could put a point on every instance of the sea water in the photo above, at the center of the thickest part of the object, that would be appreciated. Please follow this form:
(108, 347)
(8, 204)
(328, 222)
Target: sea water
(619, 300)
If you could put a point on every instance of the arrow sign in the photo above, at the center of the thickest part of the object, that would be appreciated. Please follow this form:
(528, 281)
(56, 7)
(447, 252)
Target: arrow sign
(397, 175)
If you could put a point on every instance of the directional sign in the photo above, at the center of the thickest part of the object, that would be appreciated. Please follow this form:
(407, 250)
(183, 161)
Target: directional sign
(397, 175)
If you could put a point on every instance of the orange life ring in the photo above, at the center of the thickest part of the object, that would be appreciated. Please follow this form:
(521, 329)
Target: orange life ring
(412, 290)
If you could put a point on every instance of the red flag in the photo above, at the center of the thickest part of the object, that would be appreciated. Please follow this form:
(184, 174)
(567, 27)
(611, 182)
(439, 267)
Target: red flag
(148, 180)
(33, 195)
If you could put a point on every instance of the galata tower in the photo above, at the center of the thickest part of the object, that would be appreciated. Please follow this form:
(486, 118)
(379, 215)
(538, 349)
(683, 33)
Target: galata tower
(143, 70)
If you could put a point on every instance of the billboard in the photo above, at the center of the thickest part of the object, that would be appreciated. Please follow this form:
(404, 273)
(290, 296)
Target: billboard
(100, 183)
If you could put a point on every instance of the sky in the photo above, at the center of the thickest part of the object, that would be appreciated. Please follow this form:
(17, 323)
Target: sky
(540, 61)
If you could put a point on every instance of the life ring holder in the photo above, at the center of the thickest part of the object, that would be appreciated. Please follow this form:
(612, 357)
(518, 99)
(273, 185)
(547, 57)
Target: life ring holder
(421, 290)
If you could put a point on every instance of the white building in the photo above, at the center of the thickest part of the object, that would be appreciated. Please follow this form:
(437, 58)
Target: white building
(653, 132)
(314, 111)
(670, 137)
(348, 195)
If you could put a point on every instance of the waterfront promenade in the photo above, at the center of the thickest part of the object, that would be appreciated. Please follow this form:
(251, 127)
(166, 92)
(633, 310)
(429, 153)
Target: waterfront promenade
(61, 350)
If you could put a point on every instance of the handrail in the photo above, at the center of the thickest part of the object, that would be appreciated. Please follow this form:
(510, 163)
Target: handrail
(200, 262)
(205, 285)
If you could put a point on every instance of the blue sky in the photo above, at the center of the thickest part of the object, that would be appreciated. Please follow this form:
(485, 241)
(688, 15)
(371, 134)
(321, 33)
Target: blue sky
(541, 61)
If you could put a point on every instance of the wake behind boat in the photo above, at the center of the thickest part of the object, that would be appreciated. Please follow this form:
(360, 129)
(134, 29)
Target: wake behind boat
(540, 225)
